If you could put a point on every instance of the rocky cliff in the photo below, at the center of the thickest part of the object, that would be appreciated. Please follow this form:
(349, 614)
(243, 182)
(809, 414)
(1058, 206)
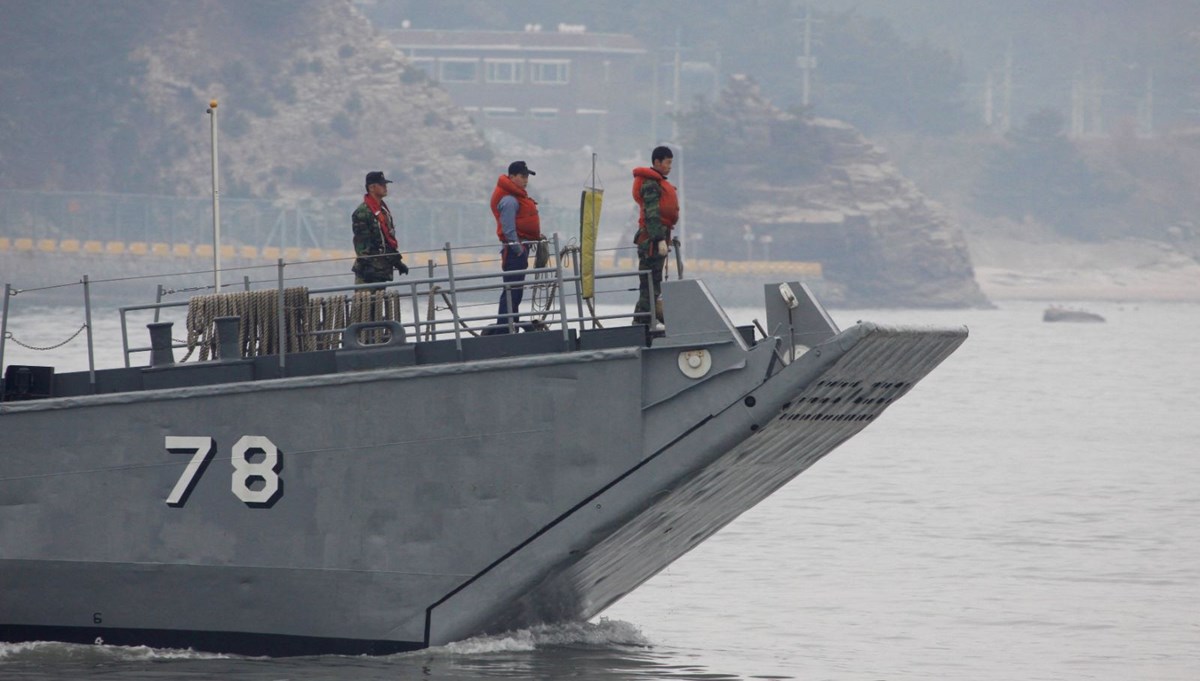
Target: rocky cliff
(112, 97)
(818, 190)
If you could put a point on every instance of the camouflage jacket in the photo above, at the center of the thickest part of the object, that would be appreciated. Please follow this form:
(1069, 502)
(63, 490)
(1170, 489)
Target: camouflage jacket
(376, 260)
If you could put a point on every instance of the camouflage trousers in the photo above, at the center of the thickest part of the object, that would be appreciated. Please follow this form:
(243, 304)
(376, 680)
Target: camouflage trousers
(655, 265)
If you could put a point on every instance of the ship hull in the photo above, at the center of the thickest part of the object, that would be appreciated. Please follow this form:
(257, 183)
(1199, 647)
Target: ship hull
(390, 509)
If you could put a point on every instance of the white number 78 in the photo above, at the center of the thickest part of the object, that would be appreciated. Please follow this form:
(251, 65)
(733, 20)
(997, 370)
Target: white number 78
(245, 472)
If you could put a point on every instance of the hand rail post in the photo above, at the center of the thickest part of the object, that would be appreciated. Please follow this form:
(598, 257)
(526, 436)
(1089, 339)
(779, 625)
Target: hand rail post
(280, 321)
(87, 316)
(510, 319)
(124, 338)
(562, 295)
(431, 330)
(4, 335)
(578, 284)
(453, 299)
(416, 303)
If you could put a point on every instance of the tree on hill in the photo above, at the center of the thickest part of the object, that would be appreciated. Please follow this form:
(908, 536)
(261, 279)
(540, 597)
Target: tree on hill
(742, 128)
(872, 77)
(1038, 172)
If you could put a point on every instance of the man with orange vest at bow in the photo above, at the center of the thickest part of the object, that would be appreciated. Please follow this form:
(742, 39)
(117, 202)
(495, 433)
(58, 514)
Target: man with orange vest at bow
(658, 211)
(375, 235)
(517, 224)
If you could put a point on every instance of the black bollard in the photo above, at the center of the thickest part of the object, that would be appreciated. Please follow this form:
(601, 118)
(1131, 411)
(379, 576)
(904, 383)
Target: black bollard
(228, 345)
(161, 354)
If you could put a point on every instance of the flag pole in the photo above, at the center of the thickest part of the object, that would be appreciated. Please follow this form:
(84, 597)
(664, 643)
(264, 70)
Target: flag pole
(216, 200)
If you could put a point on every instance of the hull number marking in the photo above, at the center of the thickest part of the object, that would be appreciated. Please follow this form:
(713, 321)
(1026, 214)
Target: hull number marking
(256, 463)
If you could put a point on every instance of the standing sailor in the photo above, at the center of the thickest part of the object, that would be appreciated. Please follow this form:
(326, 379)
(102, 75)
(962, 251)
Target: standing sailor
(517, 224)
(375, 235)
(658, 211)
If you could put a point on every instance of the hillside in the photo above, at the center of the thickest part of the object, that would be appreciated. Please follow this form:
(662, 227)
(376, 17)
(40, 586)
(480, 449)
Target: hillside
(761, 179)
(111, 97)
(1141, 242)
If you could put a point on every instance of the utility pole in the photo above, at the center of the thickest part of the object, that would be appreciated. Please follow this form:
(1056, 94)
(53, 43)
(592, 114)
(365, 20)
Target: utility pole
(675, 95)
(654, 102)
(807, 63)
(1006, 93)
(680, 161)
(989, 116)
(1146, 106)
(1095, 96)
(1077, 127)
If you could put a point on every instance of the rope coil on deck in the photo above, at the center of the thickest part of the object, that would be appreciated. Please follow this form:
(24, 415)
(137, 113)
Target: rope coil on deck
(310, 323)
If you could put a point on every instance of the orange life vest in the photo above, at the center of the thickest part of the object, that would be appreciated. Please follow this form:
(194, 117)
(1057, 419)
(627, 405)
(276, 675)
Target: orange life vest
(668, 202)
(529, 228)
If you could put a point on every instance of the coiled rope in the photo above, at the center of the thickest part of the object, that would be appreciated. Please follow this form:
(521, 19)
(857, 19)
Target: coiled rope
(309, 323)
(544, 290)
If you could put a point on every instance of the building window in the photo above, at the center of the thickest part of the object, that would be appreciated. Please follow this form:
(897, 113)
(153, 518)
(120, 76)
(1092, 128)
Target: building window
(503, 70)
(501, 112)
(549, 71)
(426, 64)
(459, 70)
(539, 114)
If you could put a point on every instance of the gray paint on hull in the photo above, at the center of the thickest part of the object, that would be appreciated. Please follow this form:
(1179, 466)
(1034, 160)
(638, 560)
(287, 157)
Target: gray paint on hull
(408, 482)
(421, 504)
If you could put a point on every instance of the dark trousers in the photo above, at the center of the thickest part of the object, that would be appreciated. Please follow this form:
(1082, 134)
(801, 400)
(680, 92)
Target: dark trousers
(644, 304)
(512, 263)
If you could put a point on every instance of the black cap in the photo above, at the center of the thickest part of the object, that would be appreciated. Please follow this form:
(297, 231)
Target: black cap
(376, 177)
(519, 168)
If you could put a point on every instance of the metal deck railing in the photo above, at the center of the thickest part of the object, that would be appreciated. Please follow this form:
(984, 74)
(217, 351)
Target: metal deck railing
(465, 280)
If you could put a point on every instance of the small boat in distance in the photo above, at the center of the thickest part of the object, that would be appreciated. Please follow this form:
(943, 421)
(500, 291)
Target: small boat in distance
(1056, 313)
(341, 470)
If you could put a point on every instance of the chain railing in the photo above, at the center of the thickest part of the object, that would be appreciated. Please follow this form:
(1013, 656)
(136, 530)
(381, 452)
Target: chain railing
(44, 348)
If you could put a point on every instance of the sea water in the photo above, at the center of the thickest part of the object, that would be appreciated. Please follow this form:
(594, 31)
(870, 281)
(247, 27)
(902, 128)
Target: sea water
(1031, 510)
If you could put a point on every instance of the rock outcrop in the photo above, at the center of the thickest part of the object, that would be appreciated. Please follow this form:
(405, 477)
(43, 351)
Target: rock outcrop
(819, 190)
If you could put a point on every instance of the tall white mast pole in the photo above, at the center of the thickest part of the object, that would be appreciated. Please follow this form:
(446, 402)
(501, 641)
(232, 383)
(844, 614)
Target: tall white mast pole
(216, 196)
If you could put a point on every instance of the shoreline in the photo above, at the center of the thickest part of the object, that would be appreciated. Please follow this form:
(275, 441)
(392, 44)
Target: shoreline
(1123, 271)
(1088, 286)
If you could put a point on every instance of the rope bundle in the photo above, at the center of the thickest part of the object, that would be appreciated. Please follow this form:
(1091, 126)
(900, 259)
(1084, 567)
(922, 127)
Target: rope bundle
(310, 323)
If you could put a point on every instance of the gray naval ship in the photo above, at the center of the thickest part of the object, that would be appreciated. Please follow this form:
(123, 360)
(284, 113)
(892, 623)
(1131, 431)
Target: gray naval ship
(390, 488)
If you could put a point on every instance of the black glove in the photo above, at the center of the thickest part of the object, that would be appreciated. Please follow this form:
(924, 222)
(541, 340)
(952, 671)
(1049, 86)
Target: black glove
(401, 267)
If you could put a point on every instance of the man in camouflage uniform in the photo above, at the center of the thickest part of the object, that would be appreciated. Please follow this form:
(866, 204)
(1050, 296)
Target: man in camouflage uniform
(658, 205)
(375, 235)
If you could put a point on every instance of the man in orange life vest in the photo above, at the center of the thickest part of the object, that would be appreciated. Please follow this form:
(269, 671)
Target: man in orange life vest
(658, 212)
(375, 235)
(516, 222)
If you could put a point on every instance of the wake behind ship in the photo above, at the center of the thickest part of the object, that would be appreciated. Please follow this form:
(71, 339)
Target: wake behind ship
(375, 495)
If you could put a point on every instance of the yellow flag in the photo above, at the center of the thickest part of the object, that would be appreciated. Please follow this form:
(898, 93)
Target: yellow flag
(589, 226)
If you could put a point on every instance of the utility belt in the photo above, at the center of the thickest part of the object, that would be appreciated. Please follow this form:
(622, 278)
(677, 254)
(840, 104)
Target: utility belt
(378, 267)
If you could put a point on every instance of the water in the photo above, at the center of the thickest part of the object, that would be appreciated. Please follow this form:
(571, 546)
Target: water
(1030, 511)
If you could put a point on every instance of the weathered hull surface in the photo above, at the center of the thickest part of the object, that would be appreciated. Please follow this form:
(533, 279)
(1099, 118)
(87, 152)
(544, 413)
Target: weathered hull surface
(396, 508)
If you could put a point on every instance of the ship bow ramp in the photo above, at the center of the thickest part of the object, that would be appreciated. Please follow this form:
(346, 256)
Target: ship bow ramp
(725, 421)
